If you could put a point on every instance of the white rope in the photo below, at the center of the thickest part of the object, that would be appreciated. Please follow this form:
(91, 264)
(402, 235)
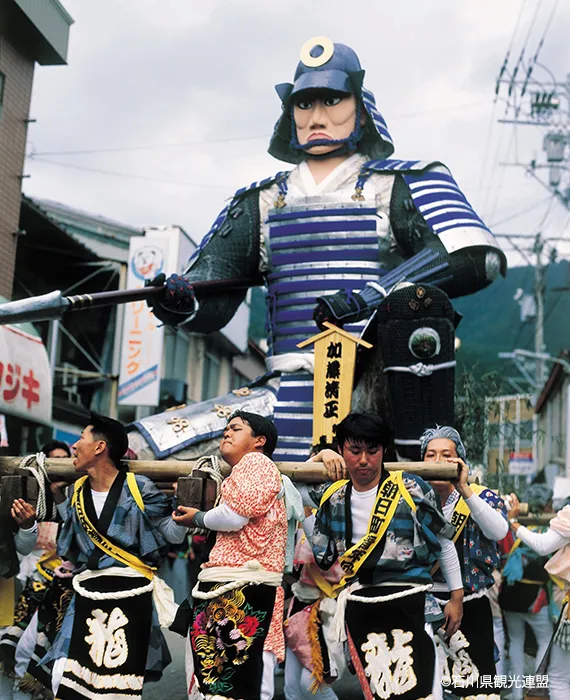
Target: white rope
(349, 594)
(421, 370)
(110, 595)
(391, 596)
(211, 465)
(230, 586)
(251, 574)
(471, 596)
(30, 462)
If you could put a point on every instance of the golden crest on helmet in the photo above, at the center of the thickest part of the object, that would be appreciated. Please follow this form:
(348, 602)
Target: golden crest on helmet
(315, 61)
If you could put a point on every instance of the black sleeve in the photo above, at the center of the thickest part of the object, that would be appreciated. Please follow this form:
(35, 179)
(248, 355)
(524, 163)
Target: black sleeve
(230, 252)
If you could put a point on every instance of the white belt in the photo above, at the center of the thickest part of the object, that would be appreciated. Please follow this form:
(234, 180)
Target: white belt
(234, 577)
(162, 594)
(349, 594)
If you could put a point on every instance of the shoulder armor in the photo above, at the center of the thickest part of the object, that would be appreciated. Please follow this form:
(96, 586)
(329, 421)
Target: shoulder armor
(231, 209)
(435, 194)
(261, 184)
(231, 215)
(403, 166)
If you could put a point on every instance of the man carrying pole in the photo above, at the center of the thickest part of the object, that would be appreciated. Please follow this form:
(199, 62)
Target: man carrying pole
(478, 516)
(236, 633)
(115, 526)
(387, 531)
(23, 515)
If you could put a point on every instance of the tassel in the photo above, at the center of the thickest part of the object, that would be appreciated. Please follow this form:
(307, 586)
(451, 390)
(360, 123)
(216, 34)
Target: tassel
(318, 674)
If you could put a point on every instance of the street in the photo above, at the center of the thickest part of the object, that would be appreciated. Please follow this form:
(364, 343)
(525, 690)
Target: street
(173, 683)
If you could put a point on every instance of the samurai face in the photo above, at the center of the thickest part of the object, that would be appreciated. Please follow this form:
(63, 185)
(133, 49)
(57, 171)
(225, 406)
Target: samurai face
(326, 118)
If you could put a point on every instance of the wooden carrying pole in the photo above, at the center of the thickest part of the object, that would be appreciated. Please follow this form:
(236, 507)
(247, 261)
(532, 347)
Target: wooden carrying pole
(170, 470)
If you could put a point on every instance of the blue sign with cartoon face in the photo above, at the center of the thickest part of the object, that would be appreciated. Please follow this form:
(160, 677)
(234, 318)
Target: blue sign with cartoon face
(147, 262)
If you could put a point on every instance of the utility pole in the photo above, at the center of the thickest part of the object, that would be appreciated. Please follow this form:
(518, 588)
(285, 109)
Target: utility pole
(539, 289)
(532, 101)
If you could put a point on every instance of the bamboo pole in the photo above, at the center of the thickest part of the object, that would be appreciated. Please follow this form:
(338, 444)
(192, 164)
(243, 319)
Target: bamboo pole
(541, 519)
(167, 471)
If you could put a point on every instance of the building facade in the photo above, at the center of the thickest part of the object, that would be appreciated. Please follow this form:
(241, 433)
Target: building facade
(510, 456)
(79, 252)
(553, 414)
(31, 31)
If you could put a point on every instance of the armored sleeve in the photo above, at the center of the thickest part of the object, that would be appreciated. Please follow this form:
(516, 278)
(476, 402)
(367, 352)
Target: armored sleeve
(230, 250)
(464, 259)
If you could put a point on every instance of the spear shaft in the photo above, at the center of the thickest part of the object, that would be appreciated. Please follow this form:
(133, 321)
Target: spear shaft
(52, 306)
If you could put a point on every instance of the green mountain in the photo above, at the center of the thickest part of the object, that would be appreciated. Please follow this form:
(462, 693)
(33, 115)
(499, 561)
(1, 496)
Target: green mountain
(492, 318)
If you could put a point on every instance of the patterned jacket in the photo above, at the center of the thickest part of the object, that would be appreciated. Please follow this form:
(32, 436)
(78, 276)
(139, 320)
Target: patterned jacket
(407, 551)
(478, 556)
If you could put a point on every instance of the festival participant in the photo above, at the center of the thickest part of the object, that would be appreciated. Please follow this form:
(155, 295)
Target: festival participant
(313, 658)
(22, 542)
(236, 633)
(556, 662)
(479, 519)
(115, 526)
(387, 531)
(524, 593)
(19, 643)
(347, 218)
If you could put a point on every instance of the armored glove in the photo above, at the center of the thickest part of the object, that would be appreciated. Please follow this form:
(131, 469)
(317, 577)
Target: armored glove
(347, 306)
(177, 303)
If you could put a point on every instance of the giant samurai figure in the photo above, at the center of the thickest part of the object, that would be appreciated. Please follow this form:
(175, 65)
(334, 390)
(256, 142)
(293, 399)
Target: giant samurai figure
(347, 234)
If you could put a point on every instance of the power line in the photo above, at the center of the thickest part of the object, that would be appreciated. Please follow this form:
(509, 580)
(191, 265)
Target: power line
(547, 212)
(232, 139)
(520, 212)
(133, 176)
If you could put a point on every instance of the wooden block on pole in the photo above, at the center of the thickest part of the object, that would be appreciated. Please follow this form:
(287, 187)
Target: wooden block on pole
(189, 492)
(11, 487)
(197, 491)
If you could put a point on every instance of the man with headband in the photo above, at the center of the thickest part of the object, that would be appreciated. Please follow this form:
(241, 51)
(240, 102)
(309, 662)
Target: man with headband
(478, 516)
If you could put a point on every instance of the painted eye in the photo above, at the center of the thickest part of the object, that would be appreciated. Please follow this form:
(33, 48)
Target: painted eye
(332, 101)
(304, 104)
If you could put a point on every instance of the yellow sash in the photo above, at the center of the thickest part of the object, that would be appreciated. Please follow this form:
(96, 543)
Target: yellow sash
(389, 494)
(100, 540)
(322, 584)
(459, 518)
(7, 600)
(461, 511)
(47, 563)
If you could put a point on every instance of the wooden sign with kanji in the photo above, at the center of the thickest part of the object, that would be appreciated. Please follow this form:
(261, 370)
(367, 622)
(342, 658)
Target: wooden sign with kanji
(335, 359)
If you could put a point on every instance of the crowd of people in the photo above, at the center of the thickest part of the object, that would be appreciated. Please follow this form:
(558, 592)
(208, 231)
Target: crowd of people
(410, 585)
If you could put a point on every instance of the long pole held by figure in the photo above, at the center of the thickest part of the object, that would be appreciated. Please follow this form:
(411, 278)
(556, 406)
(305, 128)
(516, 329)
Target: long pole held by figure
(53, 306)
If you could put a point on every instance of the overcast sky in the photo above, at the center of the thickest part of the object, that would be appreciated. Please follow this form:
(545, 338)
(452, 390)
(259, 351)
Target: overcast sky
(166, 106)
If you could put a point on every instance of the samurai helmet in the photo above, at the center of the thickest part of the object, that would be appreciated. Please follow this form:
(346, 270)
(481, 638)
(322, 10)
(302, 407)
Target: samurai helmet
(334, 67)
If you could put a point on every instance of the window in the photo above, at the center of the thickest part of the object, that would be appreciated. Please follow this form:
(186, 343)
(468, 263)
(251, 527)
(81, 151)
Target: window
(238, 380)
(210, 376)
(557, 427)
(2, 83)
(175, 355)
